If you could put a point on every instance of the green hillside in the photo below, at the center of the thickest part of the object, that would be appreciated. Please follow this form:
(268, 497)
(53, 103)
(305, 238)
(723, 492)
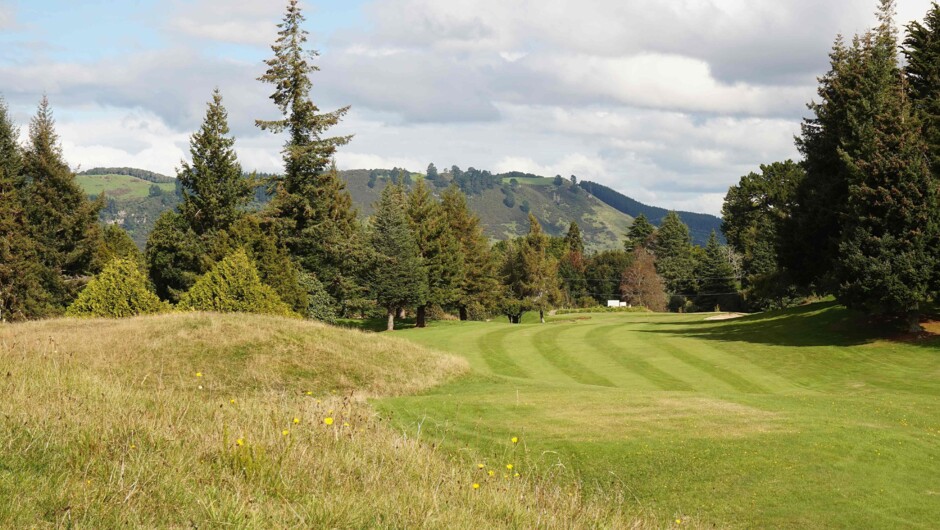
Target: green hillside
(121, 187)
(806, 418)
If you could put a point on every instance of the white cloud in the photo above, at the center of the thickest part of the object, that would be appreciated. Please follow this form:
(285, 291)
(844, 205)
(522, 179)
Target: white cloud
(251, 22)
(7, 16)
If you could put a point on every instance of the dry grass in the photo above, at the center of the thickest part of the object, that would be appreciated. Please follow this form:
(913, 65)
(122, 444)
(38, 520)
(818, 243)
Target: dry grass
(188, 420)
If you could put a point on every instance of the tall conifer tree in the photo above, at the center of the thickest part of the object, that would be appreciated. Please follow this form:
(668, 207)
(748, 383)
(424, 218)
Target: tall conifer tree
(673, 250)
(63, 221)
(540, 277)
(479, 285)
(213, 187)
(315, 211)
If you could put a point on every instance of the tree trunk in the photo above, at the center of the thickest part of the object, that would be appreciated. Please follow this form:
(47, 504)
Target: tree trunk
(391, 320)
(463, 313)
(401, 312)
(422, 316)
(913, 322)
(542, 316)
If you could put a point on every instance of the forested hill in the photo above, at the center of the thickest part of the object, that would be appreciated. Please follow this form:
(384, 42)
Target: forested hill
(700, 224)
(501, 200)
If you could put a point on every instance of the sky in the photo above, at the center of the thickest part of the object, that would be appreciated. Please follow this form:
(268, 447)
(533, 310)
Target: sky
(669, 102)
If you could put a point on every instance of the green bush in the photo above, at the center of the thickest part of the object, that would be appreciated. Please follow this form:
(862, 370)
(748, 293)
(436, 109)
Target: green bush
(233, 286)
(319, 302)
(119, 291)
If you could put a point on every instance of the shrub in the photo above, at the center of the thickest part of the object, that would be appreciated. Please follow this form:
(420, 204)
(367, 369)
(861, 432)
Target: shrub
(119, 291)
(233, 286)
(319, 302)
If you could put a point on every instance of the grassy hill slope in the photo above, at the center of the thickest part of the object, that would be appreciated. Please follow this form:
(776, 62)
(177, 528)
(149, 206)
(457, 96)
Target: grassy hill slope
(202, 420)
(805, 418)
(120, 187)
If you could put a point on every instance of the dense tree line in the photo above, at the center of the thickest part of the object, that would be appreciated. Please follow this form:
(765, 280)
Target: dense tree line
(296, 247)
(142, 174)
(859, 216)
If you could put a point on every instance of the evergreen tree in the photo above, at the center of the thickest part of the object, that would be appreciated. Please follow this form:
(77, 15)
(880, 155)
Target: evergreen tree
(213, 188)
(573, 238)
(604, 271)
(479, 285)
(119, 291)
(432, 173)
(176, 256)
(716, 274)
(673, 251)
(640, 234)
(399, 276)
(21, 293)
(891, 231)
(119, 245)
(540, 271)
(233, 286)
(63, 222)
(439, 248)
(314, 210)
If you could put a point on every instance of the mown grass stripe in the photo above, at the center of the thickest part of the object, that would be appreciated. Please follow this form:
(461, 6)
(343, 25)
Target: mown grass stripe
(599, 339)
(728, 377)
(494, 353)
(546, 344)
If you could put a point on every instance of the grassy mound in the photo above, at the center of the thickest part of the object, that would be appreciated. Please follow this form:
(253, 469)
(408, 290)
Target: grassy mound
(206, 420)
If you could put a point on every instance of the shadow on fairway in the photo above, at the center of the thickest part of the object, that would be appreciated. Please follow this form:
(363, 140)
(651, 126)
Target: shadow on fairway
(819, 324)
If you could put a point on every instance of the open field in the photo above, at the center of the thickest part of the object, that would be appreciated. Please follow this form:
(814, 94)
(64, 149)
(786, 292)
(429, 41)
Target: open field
(215, 421)
(119, 186)
(797, 419)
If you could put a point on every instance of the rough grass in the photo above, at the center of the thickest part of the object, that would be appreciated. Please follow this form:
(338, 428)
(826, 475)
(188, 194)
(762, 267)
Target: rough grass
(119, 186)
(806, 418)
(188, 420)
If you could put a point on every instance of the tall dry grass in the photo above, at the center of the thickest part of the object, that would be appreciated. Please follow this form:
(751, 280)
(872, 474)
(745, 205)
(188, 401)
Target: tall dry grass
(201, 420)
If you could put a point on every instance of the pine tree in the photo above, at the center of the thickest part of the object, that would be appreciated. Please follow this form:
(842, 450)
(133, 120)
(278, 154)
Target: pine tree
(673, 250)
(176, 256)
(119, 245)
(891, 229)
(716, 274)
(479, 285)
(399, 275)
(573, 238)
(439, 248)
(63, 222)
(571, 266)
(311, 203)
(213, 188)
(22, 295)
(640, 234)
(540, 276)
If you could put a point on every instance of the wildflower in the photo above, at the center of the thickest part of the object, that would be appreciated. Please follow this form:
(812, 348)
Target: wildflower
(476, 486)
(515, 439)
(506, 476)
(491, 472)
(133, 446)
(240, 442)
(200, 387)
(516, 475)
(509, 467)
(678, 521)
(328, 421)
(296, 421)
(232, 401)
(285, 432)
(309, 393)
(480, 466)
(198, 374)
(345, 424)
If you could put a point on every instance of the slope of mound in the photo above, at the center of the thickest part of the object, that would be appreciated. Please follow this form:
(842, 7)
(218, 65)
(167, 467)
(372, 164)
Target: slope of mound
(205, 420)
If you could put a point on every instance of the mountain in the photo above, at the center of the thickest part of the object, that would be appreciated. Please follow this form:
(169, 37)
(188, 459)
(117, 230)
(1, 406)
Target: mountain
(700, 225)
(137, 197)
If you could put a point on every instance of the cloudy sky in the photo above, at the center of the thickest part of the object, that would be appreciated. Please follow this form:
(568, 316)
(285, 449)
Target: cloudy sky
(669, 101)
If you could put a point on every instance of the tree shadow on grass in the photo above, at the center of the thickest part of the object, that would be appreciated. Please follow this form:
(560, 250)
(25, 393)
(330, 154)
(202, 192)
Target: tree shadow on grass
(375, 324)
(819, 324)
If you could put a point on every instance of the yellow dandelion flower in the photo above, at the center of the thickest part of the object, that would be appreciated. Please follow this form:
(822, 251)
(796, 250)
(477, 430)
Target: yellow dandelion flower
(240, 442)
(509, 467)
(232, 401)
(678, 521)
(328, 421)
(285, 432)
(516, 475)
(476, 486)
(296, 421)
(480, 466)
(133, 446)
(345, 424)
(491, 472)
(515, 439)
(309, 393)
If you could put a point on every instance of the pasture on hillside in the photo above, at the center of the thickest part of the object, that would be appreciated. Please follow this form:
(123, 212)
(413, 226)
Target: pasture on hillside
(791, 419)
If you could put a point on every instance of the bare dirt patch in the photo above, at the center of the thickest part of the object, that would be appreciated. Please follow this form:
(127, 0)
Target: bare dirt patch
(725, 316)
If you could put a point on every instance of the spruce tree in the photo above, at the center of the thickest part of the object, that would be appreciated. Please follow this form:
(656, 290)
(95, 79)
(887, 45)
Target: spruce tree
(716, 274)
(891, 233)
(63, 222)
(640, 234)
(439, 248)
(571, 267)
(314, 210)
(573, 238)
(399, 277)
(176, 256)
(673, 250)
(22, 295)
(213, 188)
(479, 286)
(540, 270)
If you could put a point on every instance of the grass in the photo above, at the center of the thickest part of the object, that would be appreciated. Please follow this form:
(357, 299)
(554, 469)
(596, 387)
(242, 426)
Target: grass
(202, 420)
(793, 419)
(119, 186)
